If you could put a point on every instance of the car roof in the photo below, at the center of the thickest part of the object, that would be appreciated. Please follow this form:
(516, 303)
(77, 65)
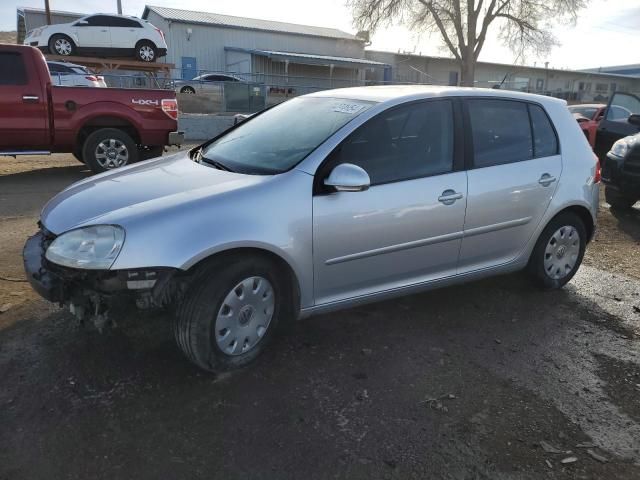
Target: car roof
(384, 93)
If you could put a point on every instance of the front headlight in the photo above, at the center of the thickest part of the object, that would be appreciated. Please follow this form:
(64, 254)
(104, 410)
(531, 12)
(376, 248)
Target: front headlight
(622, 146)
(92, 248)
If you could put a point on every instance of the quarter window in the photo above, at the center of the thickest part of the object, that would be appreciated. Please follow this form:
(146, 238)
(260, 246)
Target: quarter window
(501, 132)
(12, 70)
(406, 142)
(545, 142)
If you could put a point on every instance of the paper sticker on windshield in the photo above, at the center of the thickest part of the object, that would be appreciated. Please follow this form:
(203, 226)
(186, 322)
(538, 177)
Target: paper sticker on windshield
(350, 108)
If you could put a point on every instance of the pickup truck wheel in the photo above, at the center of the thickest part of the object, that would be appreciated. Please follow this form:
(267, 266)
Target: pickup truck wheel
(558, 252)
(109, 148)
(231, 312)
(146, 51)
(61, 45)
(617, 199)
(146, 153)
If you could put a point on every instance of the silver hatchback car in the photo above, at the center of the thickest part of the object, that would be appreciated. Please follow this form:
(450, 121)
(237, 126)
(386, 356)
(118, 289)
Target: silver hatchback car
(326, 201)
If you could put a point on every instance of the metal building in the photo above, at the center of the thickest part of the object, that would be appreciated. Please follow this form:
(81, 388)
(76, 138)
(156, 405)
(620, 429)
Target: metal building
(317, 56)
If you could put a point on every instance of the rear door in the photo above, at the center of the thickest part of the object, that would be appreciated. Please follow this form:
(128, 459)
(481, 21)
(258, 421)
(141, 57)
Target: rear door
(515, 168)
(23, 103)
(615, 124)
(125, 32)
(95, 33)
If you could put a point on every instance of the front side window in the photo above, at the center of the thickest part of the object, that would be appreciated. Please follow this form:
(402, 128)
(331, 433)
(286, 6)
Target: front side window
(278, 139)
(622, 105)
(12, 69)
(501, 132)
(406, 142)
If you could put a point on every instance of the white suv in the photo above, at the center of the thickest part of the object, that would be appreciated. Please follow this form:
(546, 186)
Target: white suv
(113, 35)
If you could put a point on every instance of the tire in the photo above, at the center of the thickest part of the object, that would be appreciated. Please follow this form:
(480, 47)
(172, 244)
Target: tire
(553, 263)
(61, 45)
(77, 153)
(146, 51)
(188, 90)
(109, 148)
(197, 330)
(147, 153)
(618, 200)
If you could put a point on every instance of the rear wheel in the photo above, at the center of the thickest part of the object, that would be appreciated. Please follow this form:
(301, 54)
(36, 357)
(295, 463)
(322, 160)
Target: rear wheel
(558, 252)
(231, 312)
(146, 51)
(61, 45)
(109, 148)
(188, 90)
(619, 200)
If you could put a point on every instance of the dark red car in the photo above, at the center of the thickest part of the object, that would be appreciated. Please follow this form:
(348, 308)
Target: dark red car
(103, 127)
(588, 115)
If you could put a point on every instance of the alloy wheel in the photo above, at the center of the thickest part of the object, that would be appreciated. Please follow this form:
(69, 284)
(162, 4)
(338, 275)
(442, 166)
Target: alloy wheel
(63, 46)
(112, 153)
(146, 53)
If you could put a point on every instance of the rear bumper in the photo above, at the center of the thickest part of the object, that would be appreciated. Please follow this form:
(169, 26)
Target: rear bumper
(176, 138)
(162, 52)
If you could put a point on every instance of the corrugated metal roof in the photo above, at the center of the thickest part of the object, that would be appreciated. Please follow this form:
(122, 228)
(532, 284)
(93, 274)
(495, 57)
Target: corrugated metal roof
(310, 58)
(189, 16)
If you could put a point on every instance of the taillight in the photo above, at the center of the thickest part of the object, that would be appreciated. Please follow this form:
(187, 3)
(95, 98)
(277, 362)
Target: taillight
(170, 107)
(160, 32)
(91, 78)
(598, 176)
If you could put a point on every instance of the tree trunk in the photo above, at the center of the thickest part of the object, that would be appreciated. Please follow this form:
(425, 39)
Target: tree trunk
(467, 71)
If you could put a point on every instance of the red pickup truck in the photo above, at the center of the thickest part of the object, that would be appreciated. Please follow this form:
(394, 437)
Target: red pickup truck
(103, 127)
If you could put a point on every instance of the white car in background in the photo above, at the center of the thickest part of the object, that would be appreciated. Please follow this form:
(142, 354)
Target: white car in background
(72, 75)
(101, 34)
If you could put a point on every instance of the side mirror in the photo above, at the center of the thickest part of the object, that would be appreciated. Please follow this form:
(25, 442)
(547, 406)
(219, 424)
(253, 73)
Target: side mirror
(348, 177)
(634, 119)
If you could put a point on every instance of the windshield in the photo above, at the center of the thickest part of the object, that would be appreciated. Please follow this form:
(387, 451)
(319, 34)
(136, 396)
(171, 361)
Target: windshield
(587, 112)
(279, 138)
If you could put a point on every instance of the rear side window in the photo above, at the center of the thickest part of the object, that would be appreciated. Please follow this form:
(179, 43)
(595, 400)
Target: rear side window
(12, 69)
(545, 142)
(124, 22)
(501, 132)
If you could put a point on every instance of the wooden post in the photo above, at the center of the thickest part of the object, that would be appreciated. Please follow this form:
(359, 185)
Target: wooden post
(47, 11)
(119, 7)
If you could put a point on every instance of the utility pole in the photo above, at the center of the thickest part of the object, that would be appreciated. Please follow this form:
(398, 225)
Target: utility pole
(119, 7)
(48, 11)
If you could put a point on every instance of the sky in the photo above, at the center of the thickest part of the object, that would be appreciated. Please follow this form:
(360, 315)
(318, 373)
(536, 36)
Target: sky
(606, 33)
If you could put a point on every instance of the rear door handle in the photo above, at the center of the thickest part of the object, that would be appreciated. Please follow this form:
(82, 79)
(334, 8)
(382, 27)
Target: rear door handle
(30, 98)
(546, 180)
(449, 197)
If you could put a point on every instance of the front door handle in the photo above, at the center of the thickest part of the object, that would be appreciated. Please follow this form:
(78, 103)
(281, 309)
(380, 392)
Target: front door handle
(546, 180)
(449, 197)
(30, 98)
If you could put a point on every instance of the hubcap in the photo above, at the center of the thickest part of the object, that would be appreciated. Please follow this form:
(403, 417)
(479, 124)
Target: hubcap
(146, 53)
(562, 252)
(112, 153)
(244, 316)
(62, 46)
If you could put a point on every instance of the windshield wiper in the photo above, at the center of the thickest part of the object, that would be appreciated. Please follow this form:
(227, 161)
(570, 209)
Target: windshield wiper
(199, 158)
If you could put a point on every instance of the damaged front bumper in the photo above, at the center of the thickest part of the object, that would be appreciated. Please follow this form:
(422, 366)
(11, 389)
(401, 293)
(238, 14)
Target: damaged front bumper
(91, 293)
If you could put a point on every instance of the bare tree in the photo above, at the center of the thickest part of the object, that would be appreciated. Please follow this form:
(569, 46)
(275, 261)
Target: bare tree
(464, 24)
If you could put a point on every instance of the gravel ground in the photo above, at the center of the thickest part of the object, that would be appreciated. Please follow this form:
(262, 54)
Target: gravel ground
(492, 379)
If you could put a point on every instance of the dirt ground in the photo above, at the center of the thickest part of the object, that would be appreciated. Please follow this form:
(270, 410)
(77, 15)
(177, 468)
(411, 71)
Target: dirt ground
(492, 379)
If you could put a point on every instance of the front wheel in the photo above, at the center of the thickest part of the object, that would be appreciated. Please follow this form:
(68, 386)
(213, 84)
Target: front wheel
(618, 199)
(188, 90)
(230, 313)
(109, 148)
(61, 45)
(558, 252)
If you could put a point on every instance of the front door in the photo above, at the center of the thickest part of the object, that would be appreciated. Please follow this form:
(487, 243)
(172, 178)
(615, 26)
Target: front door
(23, 104)
(94, 33)
(615, 125)
(406, 228)
(516, 169)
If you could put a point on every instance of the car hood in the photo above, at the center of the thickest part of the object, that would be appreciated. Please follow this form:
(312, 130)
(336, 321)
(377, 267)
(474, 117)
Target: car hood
(138, 190)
